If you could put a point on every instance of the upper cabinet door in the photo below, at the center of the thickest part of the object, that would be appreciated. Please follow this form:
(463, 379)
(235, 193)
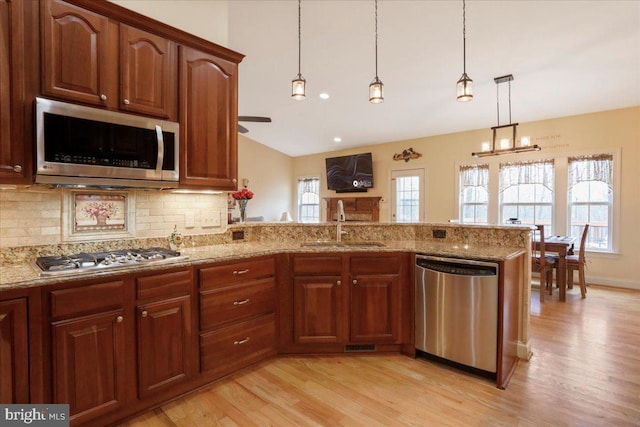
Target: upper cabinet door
(79, 61)
(208, 120)
(148, 73)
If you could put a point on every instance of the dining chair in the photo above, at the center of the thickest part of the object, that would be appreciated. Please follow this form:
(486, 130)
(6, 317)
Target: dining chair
(577, 262)
(540, 262)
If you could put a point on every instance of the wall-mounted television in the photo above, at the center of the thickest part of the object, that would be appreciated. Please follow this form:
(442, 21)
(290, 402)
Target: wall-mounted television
(350, 173)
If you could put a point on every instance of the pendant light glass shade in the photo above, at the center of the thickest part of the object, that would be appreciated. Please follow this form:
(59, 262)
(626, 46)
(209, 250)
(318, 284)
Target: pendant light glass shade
(299, 84)
(376, 91)
(464, 87)
(298, 87)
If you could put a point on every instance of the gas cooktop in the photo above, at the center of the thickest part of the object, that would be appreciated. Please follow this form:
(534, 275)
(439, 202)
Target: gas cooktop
(98, 261)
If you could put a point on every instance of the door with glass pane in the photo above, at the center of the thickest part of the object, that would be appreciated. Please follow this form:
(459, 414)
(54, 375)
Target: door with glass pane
(407, 195)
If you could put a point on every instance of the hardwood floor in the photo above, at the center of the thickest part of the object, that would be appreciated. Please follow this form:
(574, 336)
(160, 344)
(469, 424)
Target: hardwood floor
(585, 371)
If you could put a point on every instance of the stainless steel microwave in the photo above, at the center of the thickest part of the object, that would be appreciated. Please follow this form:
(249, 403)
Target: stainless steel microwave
(77, 145)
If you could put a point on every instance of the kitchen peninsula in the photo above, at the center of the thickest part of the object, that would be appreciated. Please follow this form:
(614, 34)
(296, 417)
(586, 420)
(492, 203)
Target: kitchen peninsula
(235, 302)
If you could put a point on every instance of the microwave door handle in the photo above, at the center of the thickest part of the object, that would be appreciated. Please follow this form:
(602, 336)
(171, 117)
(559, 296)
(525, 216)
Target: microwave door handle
(160, 159)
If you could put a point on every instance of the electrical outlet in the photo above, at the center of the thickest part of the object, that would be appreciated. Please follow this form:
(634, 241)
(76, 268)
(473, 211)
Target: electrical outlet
(210, 219)
(189, 219)
(439, 234)
(237, 235)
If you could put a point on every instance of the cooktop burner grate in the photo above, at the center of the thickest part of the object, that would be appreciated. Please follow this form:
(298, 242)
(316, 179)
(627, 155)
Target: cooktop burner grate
(86, 262)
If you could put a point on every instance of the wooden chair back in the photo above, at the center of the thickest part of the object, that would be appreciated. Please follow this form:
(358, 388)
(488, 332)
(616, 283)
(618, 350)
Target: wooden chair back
(538, 258)
(583, 244)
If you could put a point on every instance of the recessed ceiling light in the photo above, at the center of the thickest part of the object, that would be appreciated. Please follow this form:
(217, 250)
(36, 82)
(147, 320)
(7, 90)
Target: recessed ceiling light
(337, 139)
(324, 95)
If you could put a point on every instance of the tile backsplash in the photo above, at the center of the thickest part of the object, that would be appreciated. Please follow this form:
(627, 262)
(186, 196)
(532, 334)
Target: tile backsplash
(37, 215)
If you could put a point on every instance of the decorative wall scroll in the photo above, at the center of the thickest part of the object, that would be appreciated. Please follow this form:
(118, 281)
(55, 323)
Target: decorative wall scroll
(407, 155)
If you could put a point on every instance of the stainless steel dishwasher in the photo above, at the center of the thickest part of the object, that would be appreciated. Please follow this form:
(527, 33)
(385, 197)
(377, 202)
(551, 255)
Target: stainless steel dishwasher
(457, 310)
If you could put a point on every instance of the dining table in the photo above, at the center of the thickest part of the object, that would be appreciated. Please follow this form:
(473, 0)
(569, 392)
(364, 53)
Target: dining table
(561, 245)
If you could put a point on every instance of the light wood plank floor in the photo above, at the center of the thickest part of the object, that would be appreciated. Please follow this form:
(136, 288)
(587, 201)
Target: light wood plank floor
(585, 371)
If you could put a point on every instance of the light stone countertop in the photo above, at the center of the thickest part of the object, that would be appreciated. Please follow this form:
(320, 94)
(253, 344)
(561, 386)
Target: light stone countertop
(24, 275)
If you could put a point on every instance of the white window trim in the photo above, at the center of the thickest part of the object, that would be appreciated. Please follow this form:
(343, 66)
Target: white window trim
(297, 195)
(423, 191)
(560, 217)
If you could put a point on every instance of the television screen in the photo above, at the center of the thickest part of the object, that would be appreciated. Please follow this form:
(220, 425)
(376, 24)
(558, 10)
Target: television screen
(350, 173)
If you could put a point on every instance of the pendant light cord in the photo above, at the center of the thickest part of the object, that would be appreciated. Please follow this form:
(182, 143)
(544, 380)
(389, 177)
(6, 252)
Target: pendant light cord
(299, 38)
(376, 14)
(464, 37)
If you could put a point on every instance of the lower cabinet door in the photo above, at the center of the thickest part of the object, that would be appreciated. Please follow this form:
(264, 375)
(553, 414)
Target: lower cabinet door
(165, 339)
(318, 309)
(14, 365)
(228, 349)
(375, 308)
(89, 364)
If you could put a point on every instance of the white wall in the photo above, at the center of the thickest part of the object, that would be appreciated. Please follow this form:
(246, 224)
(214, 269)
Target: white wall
(206, 19)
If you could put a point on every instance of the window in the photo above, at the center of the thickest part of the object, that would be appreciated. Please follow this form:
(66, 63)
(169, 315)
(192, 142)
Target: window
(407, 201)
(526, 193)
(474, 194)
(590, 199)
(309, 199)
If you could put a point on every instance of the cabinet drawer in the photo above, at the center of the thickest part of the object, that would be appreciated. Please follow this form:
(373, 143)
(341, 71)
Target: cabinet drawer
(237, 302)
(229, 349)
(164, 285)
(102, 296)
(223, 275)
(380, 264)
(320, 264)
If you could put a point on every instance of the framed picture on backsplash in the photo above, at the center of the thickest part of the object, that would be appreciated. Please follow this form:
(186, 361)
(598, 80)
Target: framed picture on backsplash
(98, 215)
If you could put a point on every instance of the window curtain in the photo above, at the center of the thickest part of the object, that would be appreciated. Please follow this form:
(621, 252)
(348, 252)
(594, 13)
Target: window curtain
(533, 172)
(591, 168)
(474, 176)
(309, 185)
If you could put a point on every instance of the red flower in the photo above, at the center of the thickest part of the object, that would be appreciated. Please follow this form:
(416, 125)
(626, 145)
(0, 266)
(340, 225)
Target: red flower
(243, 194)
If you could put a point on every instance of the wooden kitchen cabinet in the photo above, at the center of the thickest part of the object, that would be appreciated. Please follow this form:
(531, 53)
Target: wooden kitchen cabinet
(208, 120)
(79, 54)
(165, 331)
(375, 298)
(237, 320)
(365, 209)
(90, 366)
(15, 143)
(92, 59)
(349, 299)
(14, 362)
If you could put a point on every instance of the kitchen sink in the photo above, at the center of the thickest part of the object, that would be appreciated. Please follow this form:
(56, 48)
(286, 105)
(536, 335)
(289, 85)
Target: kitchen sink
(342, 244)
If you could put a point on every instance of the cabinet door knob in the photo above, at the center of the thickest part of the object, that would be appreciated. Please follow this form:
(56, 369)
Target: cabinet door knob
(17, 168)
(241, 271)
(354, 281)
(144, 313)
(234, 180)
(103, 97)
(239, 342)
(339, 282)
(126, 101)
(244, 301)
(119, 319)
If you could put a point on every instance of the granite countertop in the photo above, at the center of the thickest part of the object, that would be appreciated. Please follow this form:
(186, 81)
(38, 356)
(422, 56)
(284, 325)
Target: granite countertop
(24, 275)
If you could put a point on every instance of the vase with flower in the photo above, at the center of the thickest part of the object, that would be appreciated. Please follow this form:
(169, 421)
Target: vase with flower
(242, 197)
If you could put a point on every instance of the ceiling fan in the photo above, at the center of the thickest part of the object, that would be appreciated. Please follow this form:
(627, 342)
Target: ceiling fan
(257, 119)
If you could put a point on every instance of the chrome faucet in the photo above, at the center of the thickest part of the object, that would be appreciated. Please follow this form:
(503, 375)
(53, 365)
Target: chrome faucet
(341, 219)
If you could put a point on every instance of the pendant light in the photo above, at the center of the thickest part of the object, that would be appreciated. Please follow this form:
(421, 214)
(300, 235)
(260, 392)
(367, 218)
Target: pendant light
(524, 146)
(298, 85)
(464, 87)
(376, 88)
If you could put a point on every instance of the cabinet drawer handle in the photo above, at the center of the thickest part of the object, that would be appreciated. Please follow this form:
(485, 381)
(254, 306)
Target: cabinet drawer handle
(244, 301)
(246, 340)
(17, 168)
(126, 102)
(241, 271)
(103, 97)
(119, 319)
(145, 313)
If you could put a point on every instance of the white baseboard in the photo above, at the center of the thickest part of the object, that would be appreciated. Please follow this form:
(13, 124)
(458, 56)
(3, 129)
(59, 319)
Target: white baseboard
(617, 283)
